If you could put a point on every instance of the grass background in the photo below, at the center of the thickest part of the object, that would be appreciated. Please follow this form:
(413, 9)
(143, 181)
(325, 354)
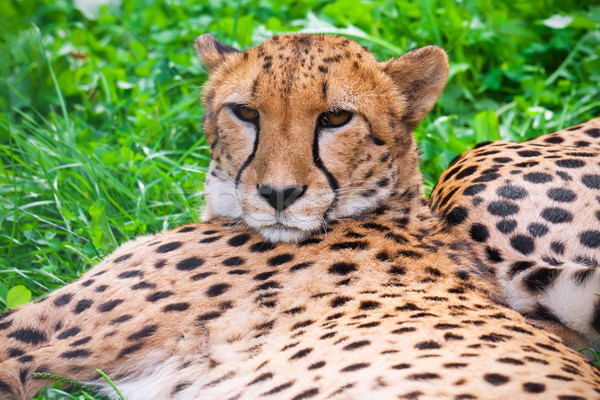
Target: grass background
(100, 124)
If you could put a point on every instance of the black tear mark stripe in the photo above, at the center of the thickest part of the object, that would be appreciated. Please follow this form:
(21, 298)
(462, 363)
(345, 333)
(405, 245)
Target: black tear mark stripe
(333, 183)
(252, 155)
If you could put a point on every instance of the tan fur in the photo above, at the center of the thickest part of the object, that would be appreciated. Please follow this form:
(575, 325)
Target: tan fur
(383, 305)
(559, 263)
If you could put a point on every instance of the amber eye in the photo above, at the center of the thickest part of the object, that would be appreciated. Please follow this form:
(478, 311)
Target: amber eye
(245, 113)
(334, 119)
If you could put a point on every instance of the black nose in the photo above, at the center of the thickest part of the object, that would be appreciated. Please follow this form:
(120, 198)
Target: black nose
(280, 199)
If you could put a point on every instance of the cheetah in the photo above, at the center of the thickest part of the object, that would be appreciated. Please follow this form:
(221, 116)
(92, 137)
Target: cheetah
(531, 211)
(319, 272)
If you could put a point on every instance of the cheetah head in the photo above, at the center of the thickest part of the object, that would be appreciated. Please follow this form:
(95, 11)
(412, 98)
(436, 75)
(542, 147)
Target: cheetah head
(306, 129)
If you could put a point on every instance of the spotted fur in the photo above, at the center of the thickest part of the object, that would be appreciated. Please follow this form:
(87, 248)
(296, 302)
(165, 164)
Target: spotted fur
(532, 212)
(385, 304)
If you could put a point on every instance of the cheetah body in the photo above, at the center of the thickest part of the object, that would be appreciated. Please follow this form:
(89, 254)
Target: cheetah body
(531, 211)
(382, 302)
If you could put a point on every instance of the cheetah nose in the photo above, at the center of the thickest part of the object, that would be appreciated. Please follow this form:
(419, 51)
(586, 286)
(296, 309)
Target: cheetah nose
(280, 199)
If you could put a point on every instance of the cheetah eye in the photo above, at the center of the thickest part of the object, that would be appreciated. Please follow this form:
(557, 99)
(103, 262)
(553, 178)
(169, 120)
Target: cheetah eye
(334, 119)
(245, 113)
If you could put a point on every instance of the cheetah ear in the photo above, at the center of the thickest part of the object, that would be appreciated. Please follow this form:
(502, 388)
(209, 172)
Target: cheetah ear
(420, 75)
(212, 52)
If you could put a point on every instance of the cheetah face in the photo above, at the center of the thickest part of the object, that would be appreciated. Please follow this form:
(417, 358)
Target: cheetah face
(306, 129)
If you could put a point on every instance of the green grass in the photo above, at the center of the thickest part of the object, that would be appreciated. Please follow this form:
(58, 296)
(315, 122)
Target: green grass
(100, 124)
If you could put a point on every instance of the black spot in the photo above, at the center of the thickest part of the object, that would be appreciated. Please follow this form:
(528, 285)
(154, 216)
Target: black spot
(423, 377)
(452, 336)
(523, 244)
(493, 255)
(210, 239)
(309, 241)
(159, 264)
(528, 153)
(427, 345)
(109, 305)
(101, 288)
(314, 391)
(81, 306)
(123, 258)
(143, 285)
(76, 354)
(280, 259)
(261, 378)
(527, 164)
(87, 283)
(145, 332)
(130, 274)
(355, 367)
(474, 189)
(537, 230)
(561, 195)
(511, 361)
(456, 216)
(158, 296)
(25, 359)
(81, 341)
(486, 178)
(176, 307)
(358, 245)
(189, 264)
(342, 268)
(63, 300)
(238, 240)
(302, 353)
(502, 208)
(590, 239)
(570, 163)
(186, 229)
(369, 305)
(537, 177)
(261, 247)
(317, 365)
(300, 266)
(512, 192)
(121, 319)
(233, 261)
(339, 301)
(494, 337)
(554, 139)
(506, 225)
(264, 275)
(496, 379)
(356, 345)
(14, 352)
(201, 275)
(591, 181)
(165, 248)
(564, 176)
(466, 172)
(519, 266)
(541, 278)
(557, 247)
(502, 160)
(455, 365)
(479, 233)
(130, 349)
(218, 289)
(556, 215)
(268, 285)
(209, 316)
(593, 132)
